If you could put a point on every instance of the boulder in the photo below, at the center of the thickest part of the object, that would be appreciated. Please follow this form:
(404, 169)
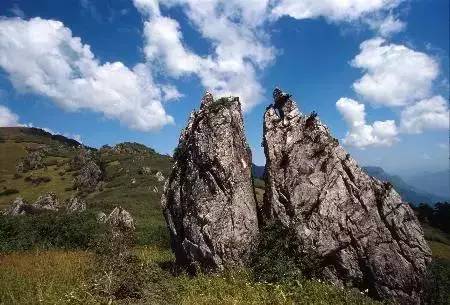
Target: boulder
(101, 217)
(47, 202)
(208, 201)
(75, 205)
(358, 228)
(18, 207)
(88, 176)
(121, 219)
(160, 177)
(33, 160)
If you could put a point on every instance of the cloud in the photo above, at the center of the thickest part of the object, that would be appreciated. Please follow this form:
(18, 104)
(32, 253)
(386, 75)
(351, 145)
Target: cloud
(238, 35)
(42, 56)
(394, 74)
(239, 47)
(387, 25)
(334, 10)
(361, 134)
(432, 113)
(8, 118)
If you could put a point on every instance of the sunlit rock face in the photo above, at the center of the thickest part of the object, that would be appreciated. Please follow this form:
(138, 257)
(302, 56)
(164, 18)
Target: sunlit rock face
(357, 227)
(209, 202)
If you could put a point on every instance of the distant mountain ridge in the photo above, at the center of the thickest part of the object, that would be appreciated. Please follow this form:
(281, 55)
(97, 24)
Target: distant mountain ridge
(409, 193)
(433, 182)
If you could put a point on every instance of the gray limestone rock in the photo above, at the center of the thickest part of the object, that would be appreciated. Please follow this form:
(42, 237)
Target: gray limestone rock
(121, 219)
(18, 207)
(209, 202)
(359, 228)
(75, 205)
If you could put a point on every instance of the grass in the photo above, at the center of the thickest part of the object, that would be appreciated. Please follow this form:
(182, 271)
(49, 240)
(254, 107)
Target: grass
(64, 277)
(49, 277)
(440, 250)
(30, 192)
(434, 234)
(11, 153)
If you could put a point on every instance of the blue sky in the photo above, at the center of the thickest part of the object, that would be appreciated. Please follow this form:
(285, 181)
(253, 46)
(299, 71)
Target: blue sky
(385, 61)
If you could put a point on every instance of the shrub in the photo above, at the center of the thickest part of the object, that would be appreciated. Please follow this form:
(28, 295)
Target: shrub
(119, 274)
(49, 230)
(38, 180)
(9, 192)
(438, 284)
(277, 257)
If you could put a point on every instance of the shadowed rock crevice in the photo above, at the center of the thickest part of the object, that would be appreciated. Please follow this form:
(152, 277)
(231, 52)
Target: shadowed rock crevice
(209, 201)
(358, 227)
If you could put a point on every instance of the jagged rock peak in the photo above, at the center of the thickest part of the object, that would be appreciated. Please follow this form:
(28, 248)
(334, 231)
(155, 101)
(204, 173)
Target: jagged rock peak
(209, 202)
(207, 99)
(358, 228)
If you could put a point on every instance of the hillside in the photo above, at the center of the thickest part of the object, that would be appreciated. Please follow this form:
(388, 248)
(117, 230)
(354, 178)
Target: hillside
(437, 183)
(129, 175)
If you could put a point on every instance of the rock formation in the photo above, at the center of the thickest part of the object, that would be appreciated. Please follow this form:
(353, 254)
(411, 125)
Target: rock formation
(75, 205)
(48, 202)
(358, 227)
(18, 207)
(120, 219)
(45, 203)
(209, 203)
(89, 172)
(33, 160)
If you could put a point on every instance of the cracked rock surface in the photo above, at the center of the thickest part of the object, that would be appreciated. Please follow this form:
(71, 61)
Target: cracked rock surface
(358, 226)
(209, 202)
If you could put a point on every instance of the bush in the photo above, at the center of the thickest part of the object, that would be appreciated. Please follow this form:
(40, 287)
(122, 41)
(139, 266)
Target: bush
(9, 192)
(438, 285)
(119, 274)
(49, 230)
(277, 258)
(38, 180)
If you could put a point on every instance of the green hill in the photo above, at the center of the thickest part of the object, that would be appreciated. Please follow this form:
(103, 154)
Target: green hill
(129, 175)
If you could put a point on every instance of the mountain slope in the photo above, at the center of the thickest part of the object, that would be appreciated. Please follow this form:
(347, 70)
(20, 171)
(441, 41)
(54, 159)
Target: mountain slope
(133, 175)
(437, 183)
(408, 192)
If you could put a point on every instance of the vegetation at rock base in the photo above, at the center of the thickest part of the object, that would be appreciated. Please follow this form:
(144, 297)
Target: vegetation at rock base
(52, 259)
(51, 230)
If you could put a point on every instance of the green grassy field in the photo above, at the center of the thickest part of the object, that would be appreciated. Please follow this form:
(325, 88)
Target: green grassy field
(57, 277)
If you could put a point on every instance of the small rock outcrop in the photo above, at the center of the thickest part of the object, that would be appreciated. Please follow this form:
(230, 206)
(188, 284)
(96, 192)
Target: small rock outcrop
(18, 207)
(33, 160)
(358, 228)
(209, 202)
(89, 172)
(121, 219)
(47, 202)
(75, 205)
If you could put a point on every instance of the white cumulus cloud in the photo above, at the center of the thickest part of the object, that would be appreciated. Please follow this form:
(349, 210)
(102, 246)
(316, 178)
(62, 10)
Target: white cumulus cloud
(395, 75)
(42, 56)
(362, 134)
(432, 113)
(8, 118)
(387, 25)
(239, 46)
(335, 10)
